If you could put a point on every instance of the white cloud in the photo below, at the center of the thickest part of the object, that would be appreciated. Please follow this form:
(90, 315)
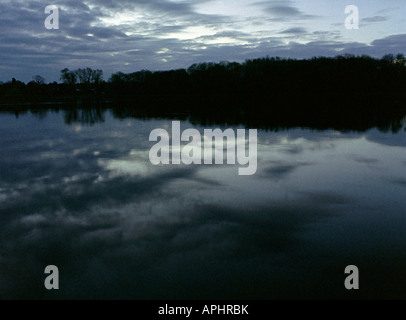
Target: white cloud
(130, 35)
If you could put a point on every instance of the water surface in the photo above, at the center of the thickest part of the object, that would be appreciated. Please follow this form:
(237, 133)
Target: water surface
(84, 196)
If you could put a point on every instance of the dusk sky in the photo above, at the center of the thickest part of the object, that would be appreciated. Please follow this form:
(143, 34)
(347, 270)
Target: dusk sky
(131, 35)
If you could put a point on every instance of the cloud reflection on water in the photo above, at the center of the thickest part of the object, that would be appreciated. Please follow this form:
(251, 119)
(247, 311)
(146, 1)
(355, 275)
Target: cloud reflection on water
(90, 202)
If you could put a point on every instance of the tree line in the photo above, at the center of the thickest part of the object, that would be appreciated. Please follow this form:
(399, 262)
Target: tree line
(341, 92)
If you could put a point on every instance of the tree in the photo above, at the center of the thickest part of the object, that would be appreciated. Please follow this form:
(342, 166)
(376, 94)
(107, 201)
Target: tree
(400, 59)
(38, 79)
(97, 76)
(68, 77)
(89, 76)
(388, 58)
(118, 77)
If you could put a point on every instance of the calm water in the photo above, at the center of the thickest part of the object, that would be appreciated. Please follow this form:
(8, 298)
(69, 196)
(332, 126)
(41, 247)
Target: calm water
(86, 199)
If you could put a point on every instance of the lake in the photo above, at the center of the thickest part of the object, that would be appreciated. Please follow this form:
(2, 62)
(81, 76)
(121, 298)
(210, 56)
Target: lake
(82, 194)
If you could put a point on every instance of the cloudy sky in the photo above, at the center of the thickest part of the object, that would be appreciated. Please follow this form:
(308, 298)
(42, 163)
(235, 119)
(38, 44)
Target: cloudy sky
(130, 35)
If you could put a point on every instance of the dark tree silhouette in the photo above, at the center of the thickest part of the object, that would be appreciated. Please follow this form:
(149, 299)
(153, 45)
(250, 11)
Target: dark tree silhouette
(68, 77)
(38, 79)
(89, 76)
(344, 92)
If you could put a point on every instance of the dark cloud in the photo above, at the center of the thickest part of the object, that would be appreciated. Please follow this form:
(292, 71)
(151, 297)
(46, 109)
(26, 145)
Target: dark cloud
(394, 43)
(364, 160)
(386, 10)
(400, 181)
(327, 198)
(296, 30)
(84, 40)
(228, 34)
(374, 19)
(284, 10)
(293, 149)
(158, 35)
(279, 170)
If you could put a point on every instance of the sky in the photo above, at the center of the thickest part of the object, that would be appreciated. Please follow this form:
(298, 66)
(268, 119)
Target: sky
(131, 35)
